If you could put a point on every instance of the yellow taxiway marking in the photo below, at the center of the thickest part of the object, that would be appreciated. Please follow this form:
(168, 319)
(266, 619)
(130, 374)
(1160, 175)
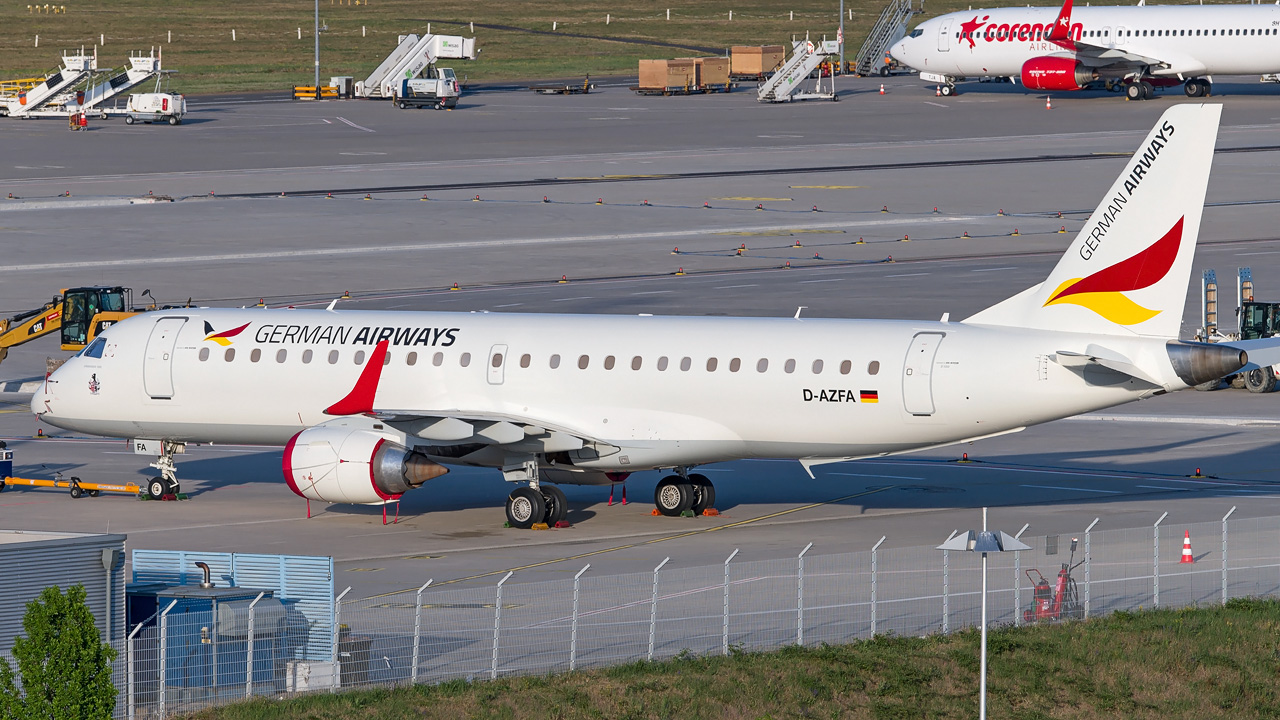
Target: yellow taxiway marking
(642, 543)
(364, 569)
(827, 187)
(754, 199)
(424, 557)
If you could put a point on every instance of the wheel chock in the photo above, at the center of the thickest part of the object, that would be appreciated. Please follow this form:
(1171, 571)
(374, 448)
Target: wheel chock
(539, 526)
(654, 512)
(710, 512)
(687, 513)
(562, 524)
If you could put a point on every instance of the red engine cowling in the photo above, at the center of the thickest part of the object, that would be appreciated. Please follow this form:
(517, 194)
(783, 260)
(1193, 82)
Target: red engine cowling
(1056, 73)
(349, 465)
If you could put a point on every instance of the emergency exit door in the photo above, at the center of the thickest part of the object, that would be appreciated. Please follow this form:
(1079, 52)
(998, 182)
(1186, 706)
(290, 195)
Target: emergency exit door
(157, 364)
(917, 373)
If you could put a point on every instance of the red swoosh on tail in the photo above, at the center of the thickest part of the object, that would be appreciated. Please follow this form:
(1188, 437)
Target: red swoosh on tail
(1140, 271)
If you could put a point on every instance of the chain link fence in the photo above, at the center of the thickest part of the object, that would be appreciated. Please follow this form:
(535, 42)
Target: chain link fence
(189, 657)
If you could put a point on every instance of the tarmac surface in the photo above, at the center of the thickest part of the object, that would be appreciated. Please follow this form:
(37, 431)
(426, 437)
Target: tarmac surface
(628, 180)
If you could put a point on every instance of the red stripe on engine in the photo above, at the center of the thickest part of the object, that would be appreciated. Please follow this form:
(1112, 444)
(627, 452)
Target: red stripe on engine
(287, 466)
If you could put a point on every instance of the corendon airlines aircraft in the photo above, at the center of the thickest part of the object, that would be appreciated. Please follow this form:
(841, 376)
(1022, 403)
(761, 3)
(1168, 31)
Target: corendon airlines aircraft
(372, 404)
(1141, 46)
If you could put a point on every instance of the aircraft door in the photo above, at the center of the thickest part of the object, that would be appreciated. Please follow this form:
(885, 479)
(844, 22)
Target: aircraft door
(944, 36)
(1119, 38)
(917, 373)
(1107, 38)
(497, 364)
(157, 363)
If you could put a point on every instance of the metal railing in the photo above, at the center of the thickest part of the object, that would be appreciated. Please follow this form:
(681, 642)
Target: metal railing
(182, 660)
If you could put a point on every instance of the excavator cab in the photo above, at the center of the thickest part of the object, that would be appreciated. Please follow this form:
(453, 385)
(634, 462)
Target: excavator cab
(87, 311)
(1259, 320)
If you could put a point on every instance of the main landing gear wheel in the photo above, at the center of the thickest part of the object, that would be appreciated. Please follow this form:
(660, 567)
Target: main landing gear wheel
(1133, 91)
(1148, 90)
(1262, 380)
(525, 507)
(673, 496)
(704, 493)
(557, 505)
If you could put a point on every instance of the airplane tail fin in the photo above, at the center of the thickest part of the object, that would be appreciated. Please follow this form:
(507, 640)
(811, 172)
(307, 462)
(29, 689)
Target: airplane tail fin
(1127, 271)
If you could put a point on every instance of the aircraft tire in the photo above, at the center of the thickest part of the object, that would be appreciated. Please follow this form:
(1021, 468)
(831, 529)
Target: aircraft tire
(704, 493)
(525, 507)
(673, 496)
(1193, 88)
(1208, 88)
(1210, 385)
(1133, 91)
(1148, 90)
(156, 488)
(1262, 380)
(948, 90)
(556, 503)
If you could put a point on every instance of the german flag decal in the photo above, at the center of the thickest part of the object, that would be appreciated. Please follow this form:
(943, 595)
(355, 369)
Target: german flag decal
(869, 396)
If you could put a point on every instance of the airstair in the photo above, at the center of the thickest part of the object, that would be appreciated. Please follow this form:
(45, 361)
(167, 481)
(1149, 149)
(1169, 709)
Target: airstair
(889, 29)
(102, 86)
(75, 68)
(413, 55)
(786, 84)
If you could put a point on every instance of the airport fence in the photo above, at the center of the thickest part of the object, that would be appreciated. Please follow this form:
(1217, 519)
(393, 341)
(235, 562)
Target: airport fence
(180, 662)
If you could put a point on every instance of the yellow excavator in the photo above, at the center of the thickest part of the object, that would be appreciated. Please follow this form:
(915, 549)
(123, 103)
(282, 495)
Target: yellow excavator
(79, 313)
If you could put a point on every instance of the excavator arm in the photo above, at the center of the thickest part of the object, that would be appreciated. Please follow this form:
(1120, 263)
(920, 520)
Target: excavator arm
(30, 325)
(77, 314)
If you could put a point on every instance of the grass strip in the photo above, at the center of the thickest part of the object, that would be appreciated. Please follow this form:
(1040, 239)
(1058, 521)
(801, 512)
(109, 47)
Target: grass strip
(1218, 662)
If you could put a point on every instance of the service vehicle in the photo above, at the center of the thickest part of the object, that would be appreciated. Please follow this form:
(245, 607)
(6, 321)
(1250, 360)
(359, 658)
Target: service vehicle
(81, 314)
(156, 107)
(440, 92)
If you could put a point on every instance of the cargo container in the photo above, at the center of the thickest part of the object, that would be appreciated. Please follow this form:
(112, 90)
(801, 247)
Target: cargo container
(751, 61)
(713, 73)
(668, 76)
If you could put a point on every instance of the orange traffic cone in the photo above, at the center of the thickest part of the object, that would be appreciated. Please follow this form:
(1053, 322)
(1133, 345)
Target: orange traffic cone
(881, 88)
(1187, 557)
(937, 91)
(1048, 103)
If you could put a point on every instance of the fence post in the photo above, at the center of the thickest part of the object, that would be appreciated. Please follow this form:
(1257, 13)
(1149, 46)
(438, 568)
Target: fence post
(1017, 578)
(573, 634)
(497, 624)
(164, 647)
(337, 625)
(129, 682)
(1087, 558)
(1155, 562)
(417, 632)
(726, 599)
(1224, 553)
(946, 587)
(800, 596)
(248, 652)
(873, 583)
(653, 608)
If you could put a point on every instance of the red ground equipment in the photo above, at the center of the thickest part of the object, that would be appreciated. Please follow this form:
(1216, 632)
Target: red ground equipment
(1059, 600)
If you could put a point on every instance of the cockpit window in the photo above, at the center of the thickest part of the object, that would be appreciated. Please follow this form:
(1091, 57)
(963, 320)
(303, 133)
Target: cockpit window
(916, 33)
(95, 348)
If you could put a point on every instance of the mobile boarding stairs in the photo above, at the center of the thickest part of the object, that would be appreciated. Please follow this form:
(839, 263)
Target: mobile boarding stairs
(806, 56)
(413, 55)
(57, 95)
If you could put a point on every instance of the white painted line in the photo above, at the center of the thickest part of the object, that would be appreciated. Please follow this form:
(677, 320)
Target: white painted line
(806, 282)
(1268, 252)
(731, 287)
(358, 127)
(1158, 487)
(1076, 489)
(1183, 420)
(1204, 482)
(584, 297)
(653, 292)
(907, 275)
(929, 102)
(510, 305)
(993, 269)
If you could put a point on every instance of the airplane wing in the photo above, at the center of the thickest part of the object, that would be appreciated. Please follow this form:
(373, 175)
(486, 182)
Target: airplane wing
(513, 433)
(1094, 55)
(1262, 353)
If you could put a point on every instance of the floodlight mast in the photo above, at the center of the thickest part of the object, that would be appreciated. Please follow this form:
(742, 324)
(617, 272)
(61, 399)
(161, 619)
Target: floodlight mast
(317, 19)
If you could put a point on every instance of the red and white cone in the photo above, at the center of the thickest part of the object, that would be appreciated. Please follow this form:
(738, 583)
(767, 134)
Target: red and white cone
(937, 91)
(1048, 103)
(881, 88)
(1187, 557)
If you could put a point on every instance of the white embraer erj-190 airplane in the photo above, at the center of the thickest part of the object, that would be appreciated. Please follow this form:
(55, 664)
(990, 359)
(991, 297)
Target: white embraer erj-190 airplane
(1138, 46)
(370, 404)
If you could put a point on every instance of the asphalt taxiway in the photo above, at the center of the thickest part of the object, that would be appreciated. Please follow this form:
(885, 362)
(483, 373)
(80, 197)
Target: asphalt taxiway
(636, 190)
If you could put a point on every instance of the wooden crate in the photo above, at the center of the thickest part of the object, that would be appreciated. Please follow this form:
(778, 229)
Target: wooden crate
(668, 73)
(712, 71)
(755, 60)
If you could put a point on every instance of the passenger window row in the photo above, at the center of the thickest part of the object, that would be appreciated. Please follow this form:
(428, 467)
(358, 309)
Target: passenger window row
(584, 361)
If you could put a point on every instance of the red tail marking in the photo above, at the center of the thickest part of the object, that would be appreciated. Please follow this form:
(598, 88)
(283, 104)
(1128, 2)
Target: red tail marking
(360, 399)
(1139, 271)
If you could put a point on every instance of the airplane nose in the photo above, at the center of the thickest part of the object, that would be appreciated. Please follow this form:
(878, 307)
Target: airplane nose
(37, 401)
(897, 51)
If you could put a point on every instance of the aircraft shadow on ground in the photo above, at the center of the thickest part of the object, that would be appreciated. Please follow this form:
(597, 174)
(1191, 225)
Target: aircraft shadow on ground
(905, 482)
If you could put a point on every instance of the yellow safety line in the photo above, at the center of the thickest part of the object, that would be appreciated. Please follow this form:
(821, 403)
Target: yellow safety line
(678, 536)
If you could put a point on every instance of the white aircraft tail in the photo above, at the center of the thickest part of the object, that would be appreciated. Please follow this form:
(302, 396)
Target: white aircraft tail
(1127, 271)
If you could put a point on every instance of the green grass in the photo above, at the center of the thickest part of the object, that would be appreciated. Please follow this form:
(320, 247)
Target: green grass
(1165, 665)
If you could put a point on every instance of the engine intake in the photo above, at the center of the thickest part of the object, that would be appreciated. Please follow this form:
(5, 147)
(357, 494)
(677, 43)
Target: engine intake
(1197, 363)
(1056, 73)
(342, 464)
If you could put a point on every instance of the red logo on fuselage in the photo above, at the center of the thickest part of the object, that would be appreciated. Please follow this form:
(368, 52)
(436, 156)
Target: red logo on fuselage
(968, 29)
(1019, 32)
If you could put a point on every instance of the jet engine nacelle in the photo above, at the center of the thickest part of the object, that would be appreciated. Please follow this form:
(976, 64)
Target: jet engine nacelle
(1056, 73)
(351, 465)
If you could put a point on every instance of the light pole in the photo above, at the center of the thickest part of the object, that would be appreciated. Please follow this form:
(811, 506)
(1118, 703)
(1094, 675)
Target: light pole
(984, 542)
(840, 37)
(317, 85)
